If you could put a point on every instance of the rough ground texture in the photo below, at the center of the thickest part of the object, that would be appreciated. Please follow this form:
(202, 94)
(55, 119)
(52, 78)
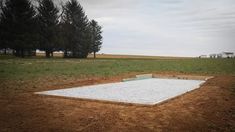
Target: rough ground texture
(210, 108)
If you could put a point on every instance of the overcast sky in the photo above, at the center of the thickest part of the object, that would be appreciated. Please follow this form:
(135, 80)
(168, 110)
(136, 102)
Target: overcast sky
(164, 27)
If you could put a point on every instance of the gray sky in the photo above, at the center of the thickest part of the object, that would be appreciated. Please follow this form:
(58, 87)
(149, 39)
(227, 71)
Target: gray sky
(164, 27)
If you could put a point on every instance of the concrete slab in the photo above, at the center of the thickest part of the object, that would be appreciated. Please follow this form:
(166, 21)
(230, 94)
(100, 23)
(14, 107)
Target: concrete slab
(147, 92)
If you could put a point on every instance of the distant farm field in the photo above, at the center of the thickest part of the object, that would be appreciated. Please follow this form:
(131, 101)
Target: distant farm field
(15, 68)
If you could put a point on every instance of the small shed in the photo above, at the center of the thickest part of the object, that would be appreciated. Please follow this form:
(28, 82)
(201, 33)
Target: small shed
(203, 56)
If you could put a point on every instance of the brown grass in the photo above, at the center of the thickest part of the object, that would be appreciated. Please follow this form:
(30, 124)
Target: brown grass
(116, 56)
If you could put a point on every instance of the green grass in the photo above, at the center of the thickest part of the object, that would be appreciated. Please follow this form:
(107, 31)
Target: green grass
(17, 68)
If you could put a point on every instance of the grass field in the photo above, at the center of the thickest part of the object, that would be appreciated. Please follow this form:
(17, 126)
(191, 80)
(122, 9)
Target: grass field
(15, 68)
(209, 108)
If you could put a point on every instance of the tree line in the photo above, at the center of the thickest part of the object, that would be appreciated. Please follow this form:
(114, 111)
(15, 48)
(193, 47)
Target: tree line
(25, 27)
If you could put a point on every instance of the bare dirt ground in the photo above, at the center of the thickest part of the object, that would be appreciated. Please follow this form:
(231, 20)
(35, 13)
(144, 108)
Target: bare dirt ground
(210, 108)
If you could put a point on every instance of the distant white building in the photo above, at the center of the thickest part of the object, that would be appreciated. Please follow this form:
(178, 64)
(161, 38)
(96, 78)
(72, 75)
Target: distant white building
(203, 56)
(7, 51)
(223, 55)
(219, 55)
(227, 55)
(40, 51)
(213, 56)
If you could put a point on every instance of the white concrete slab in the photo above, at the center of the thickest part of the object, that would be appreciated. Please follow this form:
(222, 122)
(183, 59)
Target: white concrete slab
(147, 91)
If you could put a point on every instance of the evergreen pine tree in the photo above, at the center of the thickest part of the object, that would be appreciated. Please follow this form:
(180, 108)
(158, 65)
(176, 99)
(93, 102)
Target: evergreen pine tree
(76, 25)
(48, 22)
(17, 18)
(96, 37)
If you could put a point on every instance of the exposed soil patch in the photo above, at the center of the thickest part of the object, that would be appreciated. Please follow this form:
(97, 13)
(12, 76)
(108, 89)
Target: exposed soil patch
(210, 108)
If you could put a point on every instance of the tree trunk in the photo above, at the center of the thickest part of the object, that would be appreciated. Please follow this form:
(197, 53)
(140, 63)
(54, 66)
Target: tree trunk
(94, 55)
(22, 53)
(65, 54)
(5, 51)
(17, 52)
(14, 52)
(47, 54)
(52, 54)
